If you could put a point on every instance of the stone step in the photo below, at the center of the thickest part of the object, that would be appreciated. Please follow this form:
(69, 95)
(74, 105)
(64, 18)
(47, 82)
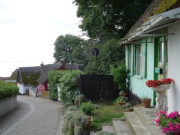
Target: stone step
(121, 127)
(147, 116)
(107, 128)
(135, 124)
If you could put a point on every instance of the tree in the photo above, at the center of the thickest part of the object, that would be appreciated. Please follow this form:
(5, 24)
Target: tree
(106, 19)
(109, 55)
(66, 47)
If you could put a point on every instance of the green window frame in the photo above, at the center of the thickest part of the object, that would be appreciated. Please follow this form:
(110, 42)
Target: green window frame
(143, 69)
(140, 71)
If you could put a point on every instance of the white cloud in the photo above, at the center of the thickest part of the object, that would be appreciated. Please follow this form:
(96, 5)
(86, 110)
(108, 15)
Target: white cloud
(28, 29)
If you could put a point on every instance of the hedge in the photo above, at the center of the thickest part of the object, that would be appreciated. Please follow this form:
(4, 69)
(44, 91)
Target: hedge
(69, 86)
(8, 89)
(53, 79)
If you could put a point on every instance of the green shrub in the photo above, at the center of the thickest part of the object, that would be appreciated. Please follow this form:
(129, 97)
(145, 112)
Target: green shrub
(74, 117)
(121, 74)
(8, 89)
(82, 99)
(53, 78)
(69, 86)
(106, 133)
(88, 108)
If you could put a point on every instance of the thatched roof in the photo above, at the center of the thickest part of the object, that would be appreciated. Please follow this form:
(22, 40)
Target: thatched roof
(44, 76)
(156, 7)
(14, 75)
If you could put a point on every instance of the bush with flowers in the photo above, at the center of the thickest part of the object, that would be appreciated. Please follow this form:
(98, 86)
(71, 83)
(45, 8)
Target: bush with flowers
(168, 123)
(156, 83)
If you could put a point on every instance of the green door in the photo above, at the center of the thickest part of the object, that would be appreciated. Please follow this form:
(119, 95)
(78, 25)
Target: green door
(161, 60)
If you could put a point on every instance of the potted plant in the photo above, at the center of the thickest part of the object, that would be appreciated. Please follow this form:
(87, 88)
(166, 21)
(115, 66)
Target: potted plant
(130, 109)
(122, 103)
(146, 102)
(123, 93)
(168, 123)
(160, 87)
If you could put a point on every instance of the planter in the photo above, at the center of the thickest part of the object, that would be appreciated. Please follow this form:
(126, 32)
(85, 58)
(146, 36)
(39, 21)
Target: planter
(146, 102)
(125, 95)
(161, 101)
(121, 103)
(161, 88)
(130, 110)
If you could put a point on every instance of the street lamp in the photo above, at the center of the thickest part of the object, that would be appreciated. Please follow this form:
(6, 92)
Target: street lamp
(71, 62)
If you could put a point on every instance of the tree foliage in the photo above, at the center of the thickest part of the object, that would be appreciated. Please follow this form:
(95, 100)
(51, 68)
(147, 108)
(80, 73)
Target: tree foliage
(105, 19)
(67, 47)
(109, 54)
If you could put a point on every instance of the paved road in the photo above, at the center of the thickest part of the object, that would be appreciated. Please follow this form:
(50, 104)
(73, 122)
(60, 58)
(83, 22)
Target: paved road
(33, 116)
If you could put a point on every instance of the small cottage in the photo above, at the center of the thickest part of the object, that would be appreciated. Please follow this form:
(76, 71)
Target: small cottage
(153, 51)
(43, 79)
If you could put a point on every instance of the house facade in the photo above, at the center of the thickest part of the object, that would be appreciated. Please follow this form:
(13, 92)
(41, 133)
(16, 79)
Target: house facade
(153, 52)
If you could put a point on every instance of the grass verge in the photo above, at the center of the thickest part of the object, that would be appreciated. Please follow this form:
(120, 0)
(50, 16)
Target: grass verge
(104, 114)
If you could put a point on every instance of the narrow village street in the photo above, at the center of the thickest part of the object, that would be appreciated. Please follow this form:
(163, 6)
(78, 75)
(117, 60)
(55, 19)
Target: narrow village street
(33, 116)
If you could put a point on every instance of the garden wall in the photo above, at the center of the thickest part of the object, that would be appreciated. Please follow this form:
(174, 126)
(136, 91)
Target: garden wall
(7, 104)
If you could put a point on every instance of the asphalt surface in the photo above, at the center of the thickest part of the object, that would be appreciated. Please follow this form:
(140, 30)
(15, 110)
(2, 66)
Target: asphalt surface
(33, 116)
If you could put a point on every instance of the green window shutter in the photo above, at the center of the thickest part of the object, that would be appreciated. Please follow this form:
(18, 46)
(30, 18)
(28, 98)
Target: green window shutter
(143, 59)
(132, 60)
(126, 55)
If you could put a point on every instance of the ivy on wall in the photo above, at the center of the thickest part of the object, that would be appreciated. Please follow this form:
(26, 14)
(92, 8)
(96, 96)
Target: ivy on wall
(69, 86)
(68, 82)
(30, 78)
(53, 79)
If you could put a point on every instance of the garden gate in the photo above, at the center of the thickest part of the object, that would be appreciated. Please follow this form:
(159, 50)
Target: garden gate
(98, 87)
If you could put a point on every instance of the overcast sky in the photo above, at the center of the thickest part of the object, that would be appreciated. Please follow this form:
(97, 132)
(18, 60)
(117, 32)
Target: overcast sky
(29, 28)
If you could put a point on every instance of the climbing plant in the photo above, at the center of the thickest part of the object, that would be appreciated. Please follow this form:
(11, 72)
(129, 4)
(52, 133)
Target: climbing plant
(69, 86)
(53, 78)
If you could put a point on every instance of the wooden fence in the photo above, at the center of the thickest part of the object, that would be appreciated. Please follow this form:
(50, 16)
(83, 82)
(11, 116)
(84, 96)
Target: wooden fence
(98, 87)
(45, 94)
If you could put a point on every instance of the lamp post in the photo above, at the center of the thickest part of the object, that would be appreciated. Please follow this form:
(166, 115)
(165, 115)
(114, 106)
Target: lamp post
(95, 52)
(71, 62)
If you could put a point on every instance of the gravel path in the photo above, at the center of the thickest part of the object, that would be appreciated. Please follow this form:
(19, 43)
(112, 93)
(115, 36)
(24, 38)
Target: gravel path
(34, 116)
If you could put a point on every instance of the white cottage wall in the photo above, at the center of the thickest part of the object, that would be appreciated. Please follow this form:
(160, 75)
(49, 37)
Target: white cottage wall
(174, 66)
(22, 90)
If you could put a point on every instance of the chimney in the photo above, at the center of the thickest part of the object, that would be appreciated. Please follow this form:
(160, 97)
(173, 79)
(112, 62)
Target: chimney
(63, 62)
(42, 67)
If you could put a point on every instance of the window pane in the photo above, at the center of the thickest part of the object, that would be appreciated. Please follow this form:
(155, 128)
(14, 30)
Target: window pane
(161, 51)
(138, 59)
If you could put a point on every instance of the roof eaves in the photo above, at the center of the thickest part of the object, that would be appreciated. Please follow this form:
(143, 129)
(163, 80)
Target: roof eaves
(152, 22)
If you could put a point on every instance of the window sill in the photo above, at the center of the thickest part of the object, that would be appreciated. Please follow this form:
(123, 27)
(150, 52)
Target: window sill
(138, 76)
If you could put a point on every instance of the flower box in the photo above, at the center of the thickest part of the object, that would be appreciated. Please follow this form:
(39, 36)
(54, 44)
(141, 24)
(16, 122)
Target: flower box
(161, 88)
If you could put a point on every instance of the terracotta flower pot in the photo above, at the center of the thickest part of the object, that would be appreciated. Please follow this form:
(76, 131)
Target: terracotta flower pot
(125, 95)
(146, 102)
(90, 119)
(130, 110)
(121, 103)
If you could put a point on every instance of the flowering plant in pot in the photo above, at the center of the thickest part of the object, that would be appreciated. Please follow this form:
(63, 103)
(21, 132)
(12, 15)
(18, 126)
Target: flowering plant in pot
(156, 83)
(168, 123)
